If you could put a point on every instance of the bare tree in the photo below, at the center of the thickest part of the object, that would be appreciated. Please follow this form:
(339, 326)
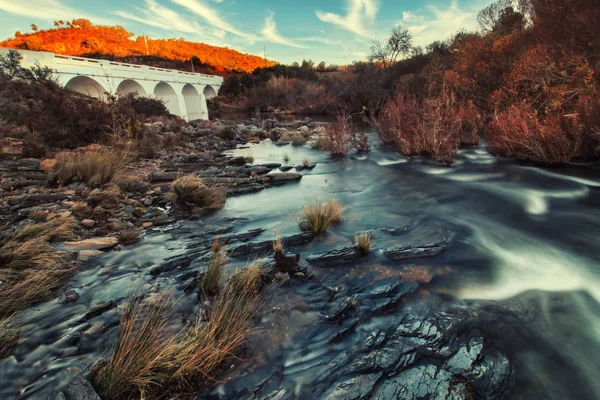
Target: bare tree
(387, 52)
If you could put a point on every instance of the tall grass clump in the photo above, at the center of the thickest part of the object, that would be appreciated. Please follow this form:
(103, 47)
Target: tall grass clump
(152, 358)
(318, 217)
(95, 168)
(209, 284)
(140, 357)
(298, 139)
(8, 336)
(191, 191)
(30, 267)
(340, 137)
(364, 242)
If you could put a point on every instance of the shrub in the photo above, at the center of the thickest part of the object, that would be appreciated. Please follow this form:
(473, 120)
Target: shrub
(298, 139)
(191, 191)
(364, 242)
(131, 183)
(320, 143)
(519, 132)
(319, 216)
(209, 282)
(130, 236)
(95, 168)
(340, 135)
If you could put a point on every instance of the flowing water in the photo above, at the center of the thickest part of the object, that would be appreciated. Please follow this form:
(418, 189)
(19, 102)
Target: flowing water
(519, 234)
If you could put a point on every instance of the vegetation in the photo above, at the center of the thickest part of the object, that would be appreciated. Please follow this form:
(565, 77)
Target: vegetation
(298, 139)
(321, 215)
(364, 242)
(130, 236)
(286, 158)
(211, 279)
(528, 81)
(44, 115)
(30, 267)
(248, 280)
(152, 356)
(8, 336)
(249, 159)
(80, 37)
(191, 191)
(96, 168)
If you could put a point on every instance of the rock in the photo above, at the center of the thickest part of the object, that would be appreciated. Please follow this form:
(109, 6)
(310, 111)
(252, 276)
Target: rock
(420, 382)
(101, 243)
(304, 130)
(260, 170)
(282, 178)
(147, 225)
(341, 255)
(403, 252)
(353, 388)
(88, 223)
(283, 142)
(272, 165)
(33, 190)
(154, 177)
(70, 296)
(86, 255)
(81, 389)
(47, 164)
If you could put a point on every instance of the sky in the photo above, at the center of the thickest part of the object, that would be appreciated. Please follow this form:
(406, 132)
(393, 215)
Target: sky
(334, 31)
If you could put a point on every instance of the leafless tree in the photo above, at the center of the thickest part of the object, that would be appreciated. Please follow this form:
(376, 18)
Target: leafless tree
(387, 52)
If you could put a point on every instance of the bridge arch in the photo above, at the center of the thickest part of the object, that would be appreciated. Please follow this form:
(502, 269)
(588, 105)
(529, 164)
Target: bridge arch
(88, 86)
(166, 93)
(210, 92)
(130, 86)
(193, 102)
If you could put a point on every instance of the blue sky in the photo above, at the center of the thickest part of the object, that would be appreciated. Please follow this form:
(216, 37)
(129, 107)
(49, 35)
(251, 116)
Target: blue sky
(334, 31)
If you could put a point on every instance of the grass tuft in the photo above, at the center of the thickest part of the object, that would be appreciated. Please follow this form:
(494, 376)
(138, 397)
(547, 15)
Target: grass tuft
(364, 242)
(209, 284)
(286, 158)
(298, 139)
(249, 159)
(95, 168)
(192, 191)
(130, 236)
(8, 336)
(247, 281)
(319, 216)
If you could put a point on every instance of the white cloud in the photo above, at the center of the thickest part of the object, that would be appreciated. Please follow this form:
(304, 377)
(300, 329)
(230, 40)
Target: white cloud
(271, 34)
(359, 13)
(47, 10)
(438, 23)
(211, 16)
(159, 16)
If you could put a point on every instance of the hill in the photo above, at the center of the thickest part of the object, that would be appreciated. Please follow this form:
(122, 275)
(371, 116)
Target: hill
(81, 37)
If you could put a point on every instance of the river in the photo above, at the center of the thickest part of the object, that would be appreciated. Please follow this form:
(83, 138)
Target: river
(522, 266)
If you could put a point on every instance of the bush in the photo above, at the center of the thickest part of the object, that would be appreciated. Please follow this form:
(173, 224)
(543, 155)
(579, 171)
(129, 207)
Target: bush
(340, 136)
(130, 236)
(298, 139)
(519, 132)
(191, 191)
(95, 168)
(319, 216)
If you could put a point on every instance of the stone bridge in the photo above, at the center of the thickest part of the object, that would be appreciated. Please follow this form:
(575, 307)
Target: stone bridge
(184, 93)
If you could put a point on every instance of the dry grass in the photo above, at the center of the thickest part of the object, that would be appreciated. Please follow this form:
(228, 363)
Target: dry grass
(8, 336)
(31, 268)
(249, 159)
(320, 143)
(248, 280)
(96, 168)
(105, 198)
(278, 244)
(306, 163)
(318, 217)
(286, 158)
(151, 359)
(191, 191)
(364, 242)
(209, 284)
(298, 139)
(130, 236)
(131, 183)
(138, 359)
(38, 214)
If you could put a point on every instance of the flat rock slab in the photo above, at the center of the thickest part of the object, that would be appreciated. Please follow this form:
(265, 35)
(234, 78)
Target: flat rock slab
(79, 389)
(403, 252)
(102, 243)
(281, 178)
(341, 255)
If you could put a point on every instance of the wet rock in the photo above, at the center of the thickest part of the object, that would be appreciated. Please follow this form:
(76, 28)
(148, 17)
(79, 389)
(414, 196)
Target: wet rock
(282, 178)
(467, 354)
(286, 168)
(70, 296)
(272, 165)
(86, 255)
(88, 223)
(341, 310)
(403, 252)
(342, 255)
(260, 170)
(101, 243)
(420, 382)
(99, 309)
(495, 375)
(353, 388)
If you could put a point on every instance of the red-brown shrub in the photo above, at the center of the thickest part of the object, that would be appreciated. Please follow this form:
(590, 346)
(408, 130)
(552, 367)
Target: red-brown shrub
(340, 135)
(521, 133)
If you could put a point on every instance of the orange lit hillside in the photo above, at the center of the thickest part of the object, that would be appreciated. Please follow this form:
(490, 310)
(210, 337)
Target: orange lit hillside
(82, 38)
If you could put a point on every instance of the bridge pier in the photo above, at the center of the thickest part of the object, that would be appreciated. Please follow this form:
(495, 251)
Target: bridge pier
(184, 93)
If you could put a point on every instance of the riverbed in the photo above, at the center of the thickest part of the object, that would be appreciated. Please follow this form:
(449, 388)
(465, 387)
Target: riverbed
(514, 283)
